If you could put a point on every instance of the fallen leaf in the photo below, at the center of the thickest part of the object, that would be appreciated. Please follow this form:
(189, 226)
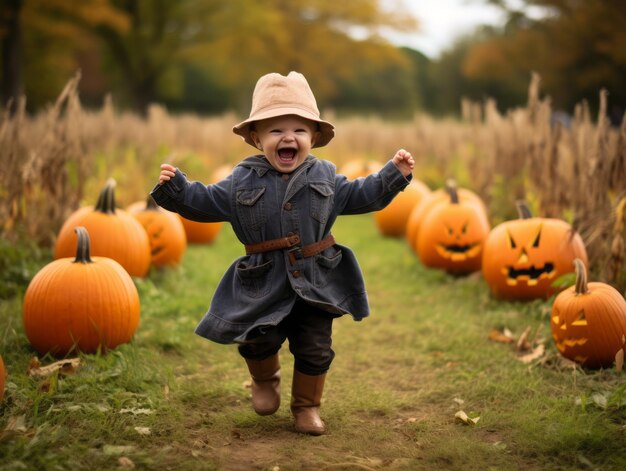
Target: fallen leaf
(619, 360)
(65, 367)
(461, 416)
(125, 462)
(459, 401)
(136, 411)
(17, 423)
(501, 337)
(537, 353)
(522, 343)
(143, 431)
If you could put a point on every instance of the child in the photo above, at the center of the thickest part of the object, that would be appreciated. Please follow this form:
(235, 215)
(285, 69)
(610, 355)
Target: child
(294, 278)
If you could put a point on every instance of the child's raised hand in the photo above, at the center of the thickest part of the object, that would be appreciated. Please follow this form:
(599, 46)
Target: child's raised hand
(404, 161)
(167, 173)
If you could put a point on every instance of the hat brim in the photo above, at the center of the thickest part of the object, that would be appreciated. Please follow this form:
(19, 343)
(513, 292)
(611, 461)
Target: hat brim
(326, 129)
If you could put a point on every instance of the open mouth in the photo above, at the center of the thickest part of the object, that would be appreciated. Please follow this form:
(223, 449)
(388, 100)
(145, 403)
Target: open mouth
(457, 252)
(531, 274)
(287, 155)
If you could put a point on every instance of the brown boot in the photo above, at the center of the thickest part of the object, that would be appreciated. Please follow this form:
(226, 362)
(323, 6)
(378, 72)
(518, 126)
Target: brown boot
(265, 384)
(306, 396)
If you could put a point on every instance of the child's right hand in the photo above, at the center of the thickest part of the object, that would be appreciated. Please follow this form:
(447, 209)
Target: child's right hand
(167, 173)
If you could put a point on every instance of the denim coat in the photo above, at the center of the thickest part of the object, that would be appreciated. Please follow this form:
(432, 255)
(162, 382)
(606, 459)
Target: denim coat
(259, 290)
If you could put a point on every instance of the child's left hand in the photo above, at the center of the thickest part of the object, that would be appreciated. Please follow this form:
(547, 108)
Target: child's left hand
(404, 161)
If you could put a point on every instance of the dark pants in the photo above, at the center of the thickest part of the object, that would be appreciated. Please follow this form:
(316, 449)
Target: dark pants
(309, 331)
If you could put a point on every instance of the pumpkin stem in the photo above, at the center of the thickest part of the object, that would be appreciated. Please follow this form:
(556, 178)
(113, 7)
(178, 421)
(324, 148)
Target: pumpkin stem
(82, 247)
(452, 190)
(151, 205)
(523, 211)
(581, 277)
(106, 199)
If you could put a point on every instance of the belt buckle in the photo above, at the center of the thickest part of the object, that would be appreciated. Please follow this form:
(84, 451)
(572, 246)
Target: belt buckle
(294, 253)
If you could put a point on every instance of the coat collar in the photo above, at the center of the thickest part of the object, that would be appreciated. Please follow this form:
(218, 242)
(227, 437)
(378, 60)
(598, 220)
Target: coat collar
(261, 165)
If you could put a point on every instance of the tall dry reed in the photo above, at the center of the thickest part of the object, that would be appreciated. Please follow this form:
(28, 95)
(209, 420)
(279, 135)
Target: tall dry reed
(56, 160)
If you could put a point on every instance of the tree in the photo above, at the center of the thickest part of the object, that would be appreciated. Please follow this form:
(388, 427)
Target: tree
(577, 47)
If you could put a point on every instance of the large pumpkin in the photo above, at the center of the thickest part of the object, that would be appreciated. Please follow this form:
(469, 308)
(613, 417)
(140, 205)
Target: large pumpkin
(3, 374)
(80, 303)
(452, 234)
(392, 220)
(589, 321)
(114, 234)
(165, 232)
(523, 257)
(436, 197)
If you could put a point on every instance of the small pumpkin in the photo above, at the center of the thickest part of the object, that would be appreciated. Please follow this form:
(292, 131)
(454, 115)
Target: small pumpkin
(392, 220)
(80, 303)
(436, 197)
(165, 230)
(357, 168)
(452, 234)
(523, 257)
(114, 233)
(589, 321)
(201, 232)
(3, 375)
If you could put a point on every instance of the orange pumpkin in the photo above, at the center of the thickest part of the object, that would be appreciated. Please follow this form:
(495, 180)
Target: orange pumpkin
(452, 234)
(114, 232)
(201, 232)
(3, 374)
(523, 257)
(589, 321)
(80, 303)
(354, 169)
(434, 198)
(392, 220)
(165, 230)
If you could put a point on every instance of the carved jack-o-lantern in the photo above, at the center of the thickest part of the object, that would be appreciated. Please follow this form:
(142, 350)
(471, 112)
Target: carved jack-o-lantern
(433, 199)
(523, 257)
(452, 234)
(589, 321)
(165, 230)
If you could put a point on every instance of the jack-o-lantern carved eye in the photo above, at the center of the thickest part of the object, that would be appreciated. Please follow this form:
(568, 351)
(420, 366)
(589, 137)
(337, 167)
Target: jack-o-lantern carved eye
(581, 319)
(511, 240)
(450, 230)
(537, 238)
(464, 230)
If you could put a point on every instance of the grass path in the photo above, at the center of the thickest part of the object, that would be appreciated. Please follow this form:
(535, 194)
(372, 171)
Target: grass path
(172, 400)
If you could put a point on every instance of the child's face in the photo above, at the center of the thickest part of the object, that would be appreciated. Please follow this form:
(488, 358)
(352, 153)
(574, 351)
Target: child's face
(286, 141)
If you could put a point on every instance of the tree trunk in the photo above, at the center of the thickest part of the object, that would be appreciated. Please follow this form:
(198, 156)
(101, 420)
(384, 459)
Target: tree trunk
(11, 54)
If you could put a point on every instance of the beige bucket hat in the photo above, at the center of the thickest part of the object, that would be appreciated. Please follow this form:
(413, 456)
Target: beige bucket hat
(279, 95)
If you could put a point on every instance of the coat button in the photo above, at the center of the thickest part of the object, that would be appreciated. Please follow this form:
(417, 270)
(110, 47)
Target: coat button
(288, 206)
(295, 273)
(285, 177)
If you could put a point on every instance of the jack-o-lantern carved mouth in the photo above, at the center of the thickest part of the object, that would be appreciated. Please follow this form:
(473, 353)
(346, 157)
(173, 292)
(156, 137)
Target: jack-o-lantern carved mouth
(457, 252)
(531, 274)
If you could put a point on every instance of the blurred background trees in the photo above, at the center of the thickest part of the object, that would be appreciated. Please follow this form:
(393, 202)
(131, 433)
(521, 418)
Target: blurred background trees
(205, 56)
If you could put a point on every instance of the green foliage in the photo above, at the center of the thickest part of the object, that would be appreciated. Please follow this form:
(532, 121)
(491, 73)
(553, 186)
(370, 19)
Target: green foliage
(19, 262)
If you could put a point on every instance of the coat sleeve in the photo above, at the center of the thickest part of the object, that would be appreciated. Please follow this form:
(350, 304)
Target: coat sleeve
(194, 200)
(370, 193)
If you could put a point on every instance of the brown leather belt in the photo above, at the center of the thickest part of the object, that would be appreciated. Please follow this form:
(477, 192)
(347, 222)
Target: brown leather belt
(292, 242)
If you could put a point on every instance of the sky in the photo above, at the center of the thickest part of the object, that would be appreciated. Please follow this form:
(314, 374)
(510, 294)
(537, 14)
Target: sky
(442, 21)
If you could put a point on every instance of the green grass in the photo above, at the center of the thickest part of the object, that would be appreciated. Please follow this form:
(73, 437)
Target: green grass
(397, 381)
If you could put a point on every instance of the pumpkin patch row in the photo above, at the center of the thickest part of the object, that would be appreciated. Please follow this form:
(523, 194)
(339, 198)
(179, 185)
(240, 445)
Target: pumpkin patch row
(520, 259)
(86, 299)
